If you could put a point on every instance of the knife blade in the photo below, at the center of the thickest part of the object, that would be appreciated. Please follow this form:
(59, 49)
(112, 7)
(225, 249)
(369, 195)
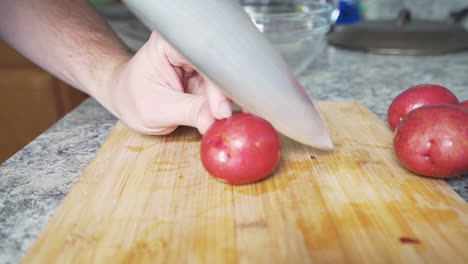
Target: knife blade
(223, 44)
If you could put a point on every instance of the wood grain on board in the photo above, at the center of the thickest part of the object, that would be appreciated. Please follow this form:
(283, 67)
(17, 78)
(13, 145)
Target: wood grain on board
(147, 199)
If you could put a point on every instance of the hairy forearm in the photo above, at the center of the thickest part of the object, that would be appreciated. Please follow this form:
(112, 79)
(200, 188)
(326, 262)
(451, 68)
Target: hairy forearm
(66, 37)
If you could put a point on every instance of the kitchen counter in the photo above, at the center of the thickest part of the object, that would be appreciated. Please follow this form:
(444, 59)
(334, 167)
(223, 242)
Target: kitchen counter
(35, 180)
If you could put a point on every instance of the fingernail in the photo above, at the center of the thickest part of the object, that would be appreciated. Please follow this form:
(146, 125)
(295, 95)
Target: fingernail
(225, 109)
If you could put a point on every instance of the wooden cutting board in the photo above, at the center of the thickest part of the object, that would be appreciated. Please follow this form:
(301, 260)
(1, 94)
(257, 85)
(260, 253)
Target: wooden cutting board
(147, 199)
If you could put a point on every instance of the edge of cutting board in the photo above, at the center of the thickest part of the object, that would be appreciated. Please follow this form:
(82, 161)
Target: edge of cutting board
(148, 199)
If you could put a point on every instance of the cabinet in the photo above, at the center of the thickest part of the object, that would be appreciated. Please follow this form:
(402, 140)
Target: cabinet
(31, 100)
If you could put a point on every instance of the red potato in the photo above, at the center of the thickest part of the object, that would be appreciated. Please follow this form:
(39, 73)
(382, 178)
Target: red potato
(415, 97)
(433, 140)
(464, 104)
(241, 149)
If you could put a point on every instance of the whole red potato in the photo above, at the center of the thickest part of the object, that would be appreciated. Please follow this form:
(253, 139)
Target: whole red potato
(415, 97)
(433, 140)
(243, 148)
(464, 104)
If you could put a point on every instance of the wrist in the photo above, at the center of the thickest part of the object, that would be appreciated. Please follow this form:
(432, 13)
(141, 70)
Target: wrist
(104, 84)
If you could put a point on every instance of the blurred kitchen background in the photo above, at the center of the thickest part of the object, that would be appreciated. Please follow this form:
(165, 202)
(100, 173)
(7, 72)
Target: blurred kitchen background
(437, 10)
(32, 100)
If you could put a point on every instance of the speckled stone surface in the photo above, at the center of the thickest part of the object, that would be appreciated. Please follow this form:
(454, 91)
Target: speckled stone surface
(36, 179)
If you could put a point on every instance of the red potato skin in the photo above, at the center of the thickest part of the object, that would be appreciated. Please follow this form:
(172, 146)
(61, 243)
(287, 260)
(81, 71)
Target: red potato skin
(241, 149)
(415, 97)
(433, 141)
(463, 104)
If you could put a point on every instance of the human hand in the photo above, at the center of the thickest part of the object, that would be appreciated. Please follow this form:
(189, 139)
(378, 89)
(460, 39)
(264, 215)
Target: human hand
(157, 90)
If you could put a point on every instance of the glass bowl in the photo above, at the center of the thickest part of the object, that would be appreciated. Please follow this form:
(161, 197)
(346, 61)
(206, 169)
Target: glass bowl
(296, 29)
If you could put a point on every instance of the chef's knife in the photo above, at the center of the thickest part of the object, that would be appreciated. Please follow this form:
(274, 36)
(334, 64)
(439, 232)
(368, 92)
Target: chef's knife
(220, 40)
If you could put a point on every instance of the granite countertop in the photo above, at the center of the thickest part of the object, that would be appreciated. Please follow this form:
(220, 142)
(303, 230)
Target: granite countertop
(35, 180)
